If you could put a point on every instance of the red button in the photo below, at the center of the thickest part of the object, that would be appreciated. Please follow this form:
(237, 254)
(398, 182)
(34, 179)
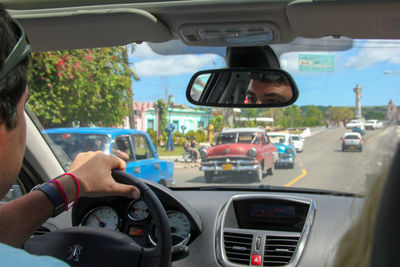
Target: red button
(256, 260)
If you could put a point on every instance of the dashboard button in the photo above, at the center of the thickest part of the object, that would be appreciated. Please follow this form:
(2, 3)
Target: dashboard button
(256, 260)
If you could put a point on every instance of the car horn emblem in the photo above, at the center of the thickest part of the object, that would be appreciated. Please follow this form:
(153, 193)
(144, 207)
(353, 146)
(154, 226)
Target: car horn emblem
(227, 151)
(75, 251)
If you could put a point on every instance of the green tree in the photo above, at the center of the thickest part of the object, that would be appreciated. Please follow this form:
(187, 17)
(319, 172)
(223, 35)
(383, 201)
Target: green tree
(313, 116)
(218, 122)
(89, 86)
(292, 117)
(338, 114)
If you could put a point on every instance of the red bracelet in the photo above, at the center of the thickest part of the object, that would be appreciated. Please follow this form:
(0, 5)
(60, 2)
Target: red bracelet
(77, 187)
(62, 193)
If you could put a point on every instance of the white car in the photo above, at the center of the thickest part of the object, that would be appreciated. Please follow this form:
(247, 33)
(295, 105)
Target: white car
(280, 137)
(298, 142)
(352, 141)
(371, 124)
(379, 124)
(354, 124)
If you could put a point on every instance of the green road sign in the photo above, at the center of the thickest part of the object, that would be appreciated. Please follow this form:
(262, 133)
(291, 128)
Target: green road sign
(317, 63)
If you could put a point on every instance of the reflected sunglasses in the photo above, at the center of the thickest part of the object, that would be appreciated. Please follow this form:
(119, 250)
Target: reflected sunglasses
(20, 51)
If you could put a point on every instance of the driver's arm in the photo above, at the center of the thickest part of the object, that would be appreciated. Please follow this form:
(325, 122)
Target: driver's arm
(20, 218)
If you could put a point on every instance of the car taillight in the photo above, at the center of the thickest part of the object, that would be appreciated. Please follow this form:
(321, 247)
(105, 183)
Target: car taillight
(343, 140)
(361, 141)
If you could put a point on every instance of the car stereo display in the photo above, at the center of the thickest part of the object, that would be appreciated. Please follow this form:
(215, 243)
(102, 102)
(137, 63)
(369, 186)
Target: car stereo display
(272, 211)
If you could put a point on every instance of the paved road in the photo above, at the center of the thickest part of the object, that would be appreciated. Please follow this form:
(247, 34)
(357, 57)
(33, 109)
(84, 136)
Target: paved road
(322, 165)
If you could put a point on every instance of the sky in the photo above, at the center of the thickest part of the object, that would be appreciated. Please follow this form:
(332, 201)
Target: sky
(374, 65)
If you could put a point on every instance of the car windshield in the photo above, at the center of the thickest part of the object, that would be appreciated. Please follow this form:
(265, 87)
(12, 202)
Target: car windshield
(351, 137)
(340, 81)
(295, 138)
(277, 138)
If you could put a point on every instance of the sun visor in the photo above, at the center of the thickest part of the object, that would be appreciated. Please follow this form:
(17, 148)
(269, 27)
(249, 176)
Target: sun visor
(355, 19)
(92, 28)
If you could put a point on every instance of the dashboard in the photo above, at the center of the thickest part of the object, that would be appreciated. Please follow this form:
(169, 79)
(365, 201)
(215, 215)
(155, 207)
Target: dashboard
(233, 227)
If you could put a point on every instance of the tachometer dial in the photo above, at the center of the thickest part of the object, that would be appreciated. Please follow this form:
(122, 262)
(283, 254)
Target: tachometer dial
(138, 210)
(102, 217)
(180, 229)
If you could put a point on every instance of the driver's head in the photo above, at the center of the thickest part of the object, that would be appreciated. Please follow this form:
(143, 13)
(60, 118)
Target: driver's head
(268, 88)
(13, 95)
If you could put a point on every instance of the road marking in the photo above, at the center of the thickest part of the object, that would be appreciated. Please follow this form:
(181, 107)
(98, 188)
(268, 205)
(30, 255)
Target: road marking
(303, 173)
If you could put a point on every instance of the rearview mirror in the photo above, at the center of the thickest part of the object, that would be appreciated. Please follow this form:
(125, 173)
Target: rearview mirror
(242, 88)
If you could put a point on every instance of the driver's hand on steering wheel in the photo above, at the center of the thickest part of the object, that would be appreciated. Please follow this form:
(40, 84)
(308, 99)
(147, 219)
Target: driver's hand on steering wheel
(93, 171)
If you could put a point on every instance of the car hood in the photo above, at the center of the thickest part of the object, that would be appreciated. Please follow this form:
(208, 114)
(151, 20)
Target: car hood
(281, 147)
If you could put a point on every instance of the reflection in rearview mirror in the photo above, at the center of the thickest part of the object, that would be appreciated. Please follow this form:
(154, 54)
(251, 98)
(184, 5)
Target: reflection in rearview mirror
(242, 88)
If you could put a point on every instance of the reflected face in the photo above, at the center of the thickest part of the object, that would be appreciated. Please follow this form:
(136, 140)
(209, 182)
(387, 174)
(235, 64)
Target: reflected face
(260, 92)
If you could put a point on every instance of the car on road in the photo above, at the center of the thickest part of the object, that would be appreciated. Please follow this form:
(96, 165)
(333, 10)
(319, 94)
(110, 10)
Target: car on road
(298, 142)
(371, 124)
(240, 151)
(112, 62)
(133, 146)
(360, 130)
(286, 150)
(352, 141)
(354, 124)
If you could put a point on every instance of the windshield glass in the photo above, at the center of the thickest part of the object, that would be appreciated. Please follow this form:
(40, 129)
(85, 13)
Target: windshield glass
(133, 87)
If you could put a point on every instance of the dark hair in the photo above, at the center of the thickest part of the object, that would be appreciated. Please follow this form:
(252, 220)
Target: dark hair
(269, 77)
(13, 85)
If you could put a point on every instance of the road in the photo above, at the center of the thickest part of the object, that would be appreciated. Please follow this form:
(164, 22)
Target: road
(322, 165)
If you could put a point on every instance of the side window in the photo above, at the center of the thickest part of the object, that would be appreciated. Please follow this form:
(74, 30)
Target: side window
(141, 147)
(15, 192)
(121, 148)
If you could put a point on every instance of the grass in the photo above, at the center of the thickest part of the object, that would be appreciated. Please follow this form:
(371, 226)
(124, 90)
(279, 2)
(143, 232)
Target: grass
(177, 152)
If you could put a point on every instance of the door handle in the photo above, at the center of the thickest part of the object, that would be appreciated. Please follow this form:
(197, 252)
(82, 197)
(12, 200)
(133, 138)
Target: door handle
(157, 166)
(136, 169)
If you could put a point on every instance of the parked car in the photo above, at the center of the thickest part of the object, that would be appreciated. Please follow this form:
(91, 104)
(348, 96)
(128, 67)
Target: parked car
(239, 150)
(298, 142)
(286, 149)
(371, 124)
(133, 146)
(354, 123)
(352, 141)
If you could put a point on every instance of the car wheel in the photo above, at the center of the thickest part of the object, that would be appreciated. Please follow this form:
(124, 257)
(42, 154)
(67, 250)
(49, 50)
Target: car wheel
(258, 175)
(209, 177)
(270, 171)
(343, 149)
(360, 149)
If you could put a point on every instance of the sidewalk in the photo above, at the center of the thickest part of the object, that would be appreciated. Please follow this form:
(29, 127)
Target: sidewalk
(179, 163)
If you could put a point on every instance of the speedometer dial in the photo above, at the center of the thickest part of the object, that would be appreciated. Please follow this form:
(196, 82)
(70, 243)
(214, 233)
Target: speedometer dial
(102, 217)
(138, 210)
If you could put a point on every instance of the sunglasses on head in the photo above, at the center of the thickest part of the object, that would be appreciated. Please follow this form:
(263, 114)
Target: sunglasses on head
(20, 51)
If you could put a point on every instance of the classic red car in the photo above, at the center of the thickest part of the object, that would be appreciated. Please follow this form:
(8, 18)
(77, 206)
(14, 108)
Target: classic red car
(246, 150)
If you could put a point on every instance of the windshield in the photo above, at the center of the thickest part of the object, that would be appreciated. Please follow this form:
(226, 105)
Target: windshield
(133, 87)
(295, 138)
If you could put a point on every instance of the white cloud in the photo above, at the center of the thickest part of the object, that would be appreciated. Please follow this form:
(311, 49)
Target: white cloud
(174, 65)
(142, 51)
(374, 52)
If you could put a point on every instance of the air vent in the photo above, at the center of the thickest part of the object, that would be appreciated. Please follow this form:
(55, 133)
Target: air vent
(279, 250)
(238, 247)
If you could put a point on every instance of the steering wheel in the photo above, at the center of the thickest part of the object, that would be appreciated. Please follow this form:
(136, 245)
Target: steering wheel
(86, 246)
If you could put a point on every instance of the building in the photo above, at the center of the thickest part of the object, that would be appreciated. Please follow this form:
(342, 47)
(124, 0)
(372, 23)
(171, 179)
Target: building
(392, 113)
(184, 118)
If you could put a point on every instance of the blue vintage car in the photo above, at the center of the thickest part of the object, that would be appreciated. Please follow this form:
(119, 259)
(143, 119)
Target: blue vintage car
(133, 146)
(286, 150)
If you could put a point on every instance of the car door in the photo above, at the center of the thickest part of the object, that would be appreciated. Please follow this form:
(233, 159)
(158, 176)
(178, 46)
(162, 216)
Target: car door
(268, 151)
(145, 165)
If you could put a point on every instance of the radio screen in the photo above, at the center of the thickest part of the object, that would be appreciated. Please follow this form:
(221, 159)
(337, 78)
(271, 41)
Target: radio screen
(272, 211)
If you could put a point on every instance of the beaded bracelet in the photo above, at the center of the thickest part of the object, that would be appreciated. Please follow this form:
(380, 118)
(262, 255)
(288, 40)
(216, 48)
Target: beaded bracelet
(77, 187)
(57, 183)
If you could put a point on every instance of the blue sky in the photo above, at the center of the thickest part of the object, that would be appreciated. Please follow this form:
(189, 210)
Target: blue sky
(365, 64)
